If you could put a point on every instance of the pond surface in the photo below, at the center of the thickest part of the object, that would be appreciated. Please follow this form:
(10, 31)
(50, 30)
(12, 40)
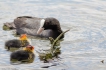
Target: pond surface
(84, 46)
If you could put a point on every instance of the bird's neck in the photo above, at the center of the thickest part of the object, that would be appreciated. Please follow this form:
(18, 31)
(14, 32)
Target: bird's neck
(58, 32)
(24, 38)
(24, 42)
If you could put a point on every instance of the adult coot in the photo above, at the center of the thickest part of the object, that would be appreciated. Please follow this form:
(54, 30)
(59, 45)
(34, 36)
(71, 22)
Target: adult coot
(42, 27)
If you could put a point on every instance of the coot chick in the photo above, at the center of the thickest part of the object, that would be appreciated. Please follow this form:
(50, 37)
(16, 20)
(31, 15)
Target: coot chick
(17, 43)
(23, 55)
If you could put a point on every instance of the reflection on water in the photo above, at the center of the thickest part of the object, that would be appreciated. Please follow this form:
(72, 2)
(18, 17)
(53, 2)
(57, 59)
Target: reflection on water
(83, 46)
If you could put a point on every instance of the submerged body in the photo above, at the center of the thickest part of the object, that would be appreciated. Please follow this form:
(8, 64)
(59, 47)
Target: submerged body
(31, 25)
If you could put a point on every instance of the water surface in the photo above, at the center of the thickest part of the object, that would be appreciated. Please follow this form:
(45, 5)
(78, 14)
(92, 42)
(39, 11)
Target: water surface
(84, 46)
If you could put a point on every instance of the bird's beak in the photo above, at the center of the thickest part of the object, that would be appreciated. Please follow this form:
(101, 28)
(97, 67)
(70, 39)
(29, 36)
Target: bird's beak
(41, 26)
(40, 30)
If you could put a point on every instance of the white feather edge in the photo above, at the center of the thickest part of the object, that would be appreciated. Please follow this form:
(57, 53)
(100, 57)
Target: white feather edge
(41, 26)
(42, 23)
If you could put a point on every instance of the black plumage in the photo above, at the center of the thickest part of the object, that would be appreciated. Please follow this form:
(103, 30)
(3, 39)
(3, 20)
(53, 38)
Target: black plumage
(15, 43)
(23, 55)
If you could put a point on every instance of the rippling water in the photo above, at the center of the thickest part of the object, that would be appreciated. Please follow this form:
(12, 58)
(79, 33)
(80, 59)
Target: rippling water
(84, 46)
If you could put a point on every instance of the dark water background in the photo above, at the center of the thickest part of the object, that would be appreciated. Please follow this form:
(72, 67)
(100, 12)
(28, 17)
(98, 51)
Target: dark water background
(84, 46)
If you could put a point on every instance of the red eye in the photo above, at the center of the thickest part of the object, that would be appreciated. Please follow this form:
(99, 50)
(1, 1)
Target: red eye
(32, 47)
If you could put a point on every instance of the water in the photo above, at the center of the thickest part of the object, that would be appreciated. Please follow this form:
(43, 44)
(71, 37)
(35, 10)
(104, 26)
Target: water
(83, 47)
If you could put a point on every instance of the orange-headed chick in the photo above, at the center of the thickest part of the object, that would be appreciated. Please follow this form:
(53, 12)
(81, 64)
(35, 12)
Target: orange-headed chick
(21, 55)
(17, 43)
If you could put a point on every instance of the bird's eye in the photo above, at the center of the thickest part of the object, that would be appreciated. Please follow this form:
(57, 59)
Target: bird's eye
(46, 23)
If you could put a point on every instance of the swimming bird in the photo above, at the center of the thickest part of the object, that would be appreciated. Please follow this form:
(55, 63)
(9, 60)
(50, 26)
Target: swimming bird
(42, 27)
(17, 43)
(26, 54)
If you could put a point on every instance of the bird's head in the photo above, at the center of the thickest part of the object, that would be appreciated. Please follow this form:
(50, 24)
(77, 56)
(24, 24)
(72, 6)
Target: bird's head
(23, 37)
(49, 23)
(29, 48)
